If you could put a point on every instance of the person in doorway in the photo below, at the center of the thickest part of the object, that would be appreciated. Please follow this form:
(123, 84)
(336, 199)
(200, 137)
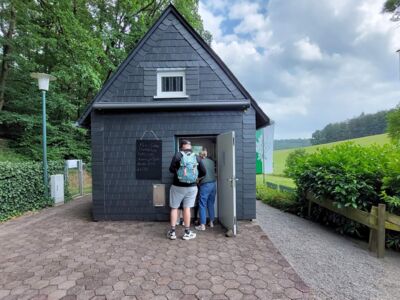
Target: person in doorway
(207, 189)
(187, 169)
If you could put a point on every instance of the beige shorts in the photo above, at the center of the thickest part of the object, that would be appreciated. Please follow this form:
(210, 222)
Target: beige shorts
(187, 194)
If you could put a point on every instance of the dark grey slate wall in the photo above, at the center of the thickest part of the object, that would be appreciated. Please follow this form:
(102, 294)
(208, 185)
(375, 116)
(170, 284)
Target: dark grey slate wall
(171, 46)
(117, 195)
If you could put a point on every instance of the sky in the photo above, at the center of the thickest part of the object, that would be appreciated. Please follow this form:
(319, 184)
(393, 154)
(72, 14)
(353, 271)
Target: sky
(310, 62)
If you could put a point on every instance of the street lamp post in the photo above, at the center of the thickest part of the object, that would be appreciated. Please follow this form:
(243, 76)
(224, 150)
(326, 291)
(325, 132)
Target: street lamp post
(43, 80)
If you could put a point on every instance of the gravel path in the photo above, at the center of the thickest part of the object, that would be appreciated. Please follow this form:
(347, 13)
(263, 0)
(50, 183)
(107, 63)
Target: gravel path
(336, 267)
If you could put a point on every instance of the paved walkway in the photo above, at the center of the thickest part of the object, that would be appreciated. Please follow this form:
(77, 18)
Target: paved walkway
(334, 266)
(60, 253)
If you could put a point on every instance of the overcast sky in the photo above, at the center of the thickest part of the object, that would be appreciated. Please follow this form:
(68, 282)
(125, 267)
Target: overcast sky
(309, 62)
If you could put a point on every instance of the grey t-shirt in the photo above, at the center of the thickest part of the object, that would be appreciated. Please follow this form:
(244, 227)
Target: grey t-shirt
(210, 170)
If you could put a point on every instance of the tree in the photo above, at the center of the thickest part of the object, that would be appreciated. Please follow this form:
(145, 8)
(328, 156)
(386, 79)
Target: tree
(81, 42)
(394, 125)
(390, 5)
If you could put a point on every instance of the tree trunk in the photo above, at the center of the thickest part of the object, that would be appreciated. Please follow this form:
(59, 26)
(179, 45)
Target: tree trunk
(5, 63)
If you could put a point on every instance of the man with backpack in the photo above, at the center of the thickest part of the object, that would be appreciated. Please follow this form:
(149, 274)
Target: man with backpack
(187, 169)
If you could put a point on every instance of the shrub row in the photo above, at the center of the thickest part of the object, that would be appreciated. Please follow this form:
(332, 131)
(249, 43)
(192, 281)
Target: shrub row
(351, 176)
(21, 187)
(278, 199)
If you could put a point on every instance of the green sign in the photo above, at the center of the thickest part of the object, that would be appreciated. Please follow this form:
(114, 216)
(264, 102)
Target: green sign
(259, 151)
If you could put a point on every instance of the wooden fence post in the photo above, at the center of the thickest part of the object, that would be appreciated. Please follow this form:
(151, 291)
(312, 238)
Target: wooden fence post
(373, 232)
(381, 230)
(309, 208)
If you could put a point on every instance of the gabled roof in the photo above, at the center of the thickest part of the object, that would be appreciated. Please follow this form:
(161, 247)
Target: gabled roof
(262, 119)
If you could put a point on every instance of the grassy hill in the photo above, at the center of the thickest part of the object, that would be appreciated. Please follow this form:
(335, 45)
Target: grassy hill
(281, 155)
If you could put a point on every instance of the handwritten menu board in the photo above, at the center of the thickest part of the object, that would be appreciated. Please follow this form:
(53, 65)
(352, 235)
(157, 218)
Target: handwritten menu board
(148, 159)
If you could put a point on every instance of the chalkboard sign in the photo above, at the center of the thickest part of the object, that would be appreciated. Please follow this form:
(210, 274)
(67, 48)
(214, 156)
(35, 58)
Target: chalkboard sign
(148, 159)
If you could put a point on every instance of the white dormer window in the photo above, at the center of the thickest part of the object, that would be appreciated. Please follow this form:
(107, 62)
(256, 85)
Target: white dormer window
(171, 83)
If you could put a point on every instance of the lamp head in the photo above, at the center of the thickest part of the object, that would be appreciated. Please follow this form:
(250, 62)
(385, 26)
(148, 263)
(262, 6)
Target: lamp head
(43, 80)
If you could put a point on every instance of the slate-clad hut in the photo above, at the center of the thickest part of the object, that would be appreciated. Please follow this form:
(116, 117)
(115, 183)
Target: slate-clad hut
(171, 86)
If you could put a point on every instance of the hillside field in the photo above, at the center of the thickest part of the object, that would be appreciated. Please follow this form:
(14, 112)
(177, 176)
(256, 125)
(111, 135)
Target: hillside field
(281, 155)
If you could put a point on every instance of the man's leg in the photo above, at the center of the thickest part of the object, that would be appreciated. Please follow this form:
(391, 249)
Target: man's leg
(188, 203)
(203, 203)
(211, 201)
(186, 216)
(175, 199)
(174, 217)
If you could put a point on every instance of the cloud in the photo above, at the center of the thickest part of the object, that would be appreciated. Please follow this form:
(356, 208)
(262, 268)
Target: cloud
(213, 21)
(308, 50)
(308, 63)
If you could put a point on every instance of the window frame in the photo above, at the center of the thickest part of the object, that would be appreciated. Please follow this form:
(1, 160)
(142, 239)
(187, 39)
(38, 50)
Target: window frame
(170, 72)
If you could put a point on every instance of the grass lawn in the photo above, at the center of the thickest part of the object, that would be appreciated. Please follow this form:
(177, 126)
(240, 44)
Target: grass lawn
(281, 155)
(73, 182)
(276, 179)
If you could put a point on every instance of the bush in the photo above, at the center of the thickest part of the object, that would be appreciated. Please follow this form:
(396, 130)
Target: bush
(351, 176)
(393, 129)
(21, 187)
(293, 158)
(281, 200)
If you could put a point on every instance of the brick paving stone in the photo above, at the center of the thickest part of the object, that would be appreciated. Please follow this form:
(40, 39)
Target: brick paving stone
(69, 297)
(293, 293)
(189, 289)
(263, 294)
(81, 259)
(103, 290)
(114, 295)
(250, 297)
(234, 294)
(176, 285)
(161, 290)
(218, 289)
(175, 294)
(247, 289)
(66, 285)
(203, 284)
(219, 297)
(217, 279)
(58, 294)
(132, 290)
(204, 294)
(159, 297)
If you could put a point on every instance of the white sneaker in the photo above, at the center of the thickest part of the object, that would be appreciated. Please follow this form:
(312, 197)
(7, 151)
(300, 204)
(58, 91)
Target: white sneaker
(211, 224)
(189, 236)
(171, 235)
(201, 227)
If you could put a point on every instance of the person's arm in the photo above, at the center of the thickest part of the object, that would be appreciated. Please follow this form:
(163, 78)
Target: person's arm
(174, 163)
(201, 168)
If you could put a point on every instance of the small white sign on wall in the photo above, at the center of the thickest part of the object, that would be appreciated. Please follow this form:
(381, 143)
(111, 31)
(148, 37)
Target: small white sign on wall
(72, 163)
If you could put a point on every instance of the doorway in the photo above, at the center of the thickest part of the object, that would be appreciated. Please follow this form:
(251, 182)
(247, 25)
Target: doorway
(221, 149)
(200, 143)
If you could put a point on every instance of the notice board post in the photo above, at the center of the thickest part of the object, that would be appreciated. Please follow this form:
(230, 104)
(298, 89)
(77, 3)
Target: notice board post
(148, 159)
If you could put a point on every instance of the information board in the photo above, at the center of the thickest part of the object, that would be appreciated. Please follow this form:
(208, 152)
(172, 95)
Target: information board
(148, 159)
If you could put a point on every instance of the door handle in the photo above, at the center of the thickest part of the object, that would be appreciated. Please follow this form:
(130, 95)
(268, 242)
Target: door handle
(233, 179)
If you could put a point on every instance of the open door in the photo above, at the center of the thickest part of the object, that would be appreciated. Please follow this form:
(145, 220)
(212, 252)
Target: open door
(227, 181)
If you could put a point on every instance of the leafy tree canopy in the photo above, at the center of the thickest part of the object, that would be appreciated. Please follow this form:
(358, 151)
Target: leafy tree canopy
(394, 125)
(390, 5)
(81, 42)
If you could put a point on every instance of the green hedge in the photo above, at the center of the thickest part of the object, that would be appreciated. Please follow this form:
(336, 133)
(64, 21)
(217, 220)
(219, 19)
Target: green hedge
(351, 176)
(282, 200)
(21, 187)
